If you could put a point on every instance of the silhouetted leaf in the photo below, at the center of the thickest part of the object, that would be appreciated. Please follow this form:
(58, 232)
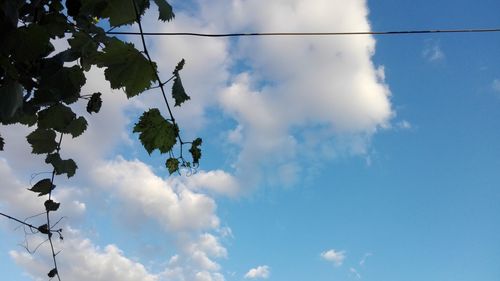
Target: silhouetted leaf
(11, 98)
(2, 143)
(43, 187)
(166, 13)
(52, 273)
(179, 67)
(196, 151)
(73, 7)
(56, 117)
(126, 67)
(60, 84)
(178, 92)
(42, 141)
(83, 46)
(44, 228)
(55, 24)
(155, 132)
(172, 165)
(122, 12)
(76, 127)
(67, 167)
(50, 205)
(30, 43)
(95, 103)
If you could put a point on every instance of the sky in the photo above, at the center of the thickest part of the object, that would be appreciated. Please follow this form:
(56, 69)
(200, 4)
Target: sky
(324, 158)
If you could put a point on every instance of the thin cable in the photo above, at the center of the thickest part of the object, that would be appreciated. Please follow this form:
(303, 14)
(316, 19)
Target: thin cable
(401, 32)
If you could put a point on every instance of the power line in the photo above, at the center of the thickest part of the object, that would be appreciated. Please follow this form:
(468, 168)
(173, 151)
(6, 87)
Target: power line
(401, 32)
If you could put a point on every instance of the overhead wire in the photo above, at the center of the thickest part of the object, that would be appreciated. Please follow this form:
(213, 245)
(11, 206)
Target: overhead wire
(349, 33)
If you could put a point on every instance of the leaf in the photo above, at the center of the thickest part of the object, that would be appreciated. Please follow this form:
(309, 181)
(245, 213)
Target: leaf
(61, 84)
(73, 7)
(42, 141)
(83, 46)
(56, 117)
(76, 127)
(2, 143)
(55, 24)
(155, 132)
(172, 165)
(126, 67)
(52, 273)
(67, 167)
(11, 98)
(178, 92)
(50, 205)
(179, 67)
(166, 12)
(44, 228)
(196, 151)
(30, 43)
(122, 12)
(95, 103)
(43, 187)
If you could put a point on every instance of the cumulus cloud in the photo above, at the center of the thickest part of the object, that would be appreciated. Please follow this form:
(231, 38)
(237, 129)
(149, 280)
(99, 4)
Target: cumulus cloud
(262, 271)
(336, 257)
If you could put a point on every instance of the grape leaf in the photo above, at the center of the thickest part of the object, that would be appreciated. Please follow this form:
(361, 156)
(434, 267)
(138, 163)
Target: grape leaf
(95, 103)
(196, 151)
(122, 12)
(56, 117)
(11, 98)
(73, 7)
(30, 43)
(166, 13)
(179, 67)
(2, 143)
(50, 205)
(55, 24)
(43, 187)
(76, 127)
(178, 92)
(83, 47)
(172, 165)
(126, 67)
(42, 141)
(155, 132)
(67, 167)
(61, 84)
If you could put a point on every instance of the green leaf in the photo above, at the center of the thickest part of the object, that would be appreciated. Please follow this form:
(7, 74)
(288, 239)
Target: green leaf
(50, 205)
(11, 99)
(179, 67)
(155, 132)
(42, 141)
(166, 12)
(196, 151)
(172, 165)
(76, 127)
(30, 43)
(122, 12)
(56, 117)
(178, 92)
(62, 84)
(55, 24)
(84, 47)
(2, 143)
(126, 67)
(43, 187)
(95, 103)
(67, 167)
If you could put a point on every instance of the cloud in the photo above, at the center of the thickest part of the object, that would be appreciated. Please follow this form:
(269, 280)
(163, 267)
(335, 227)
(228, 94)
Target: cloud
(363, 260)
(432, 52)
(355, 273)
(262, 271)
(336, 257)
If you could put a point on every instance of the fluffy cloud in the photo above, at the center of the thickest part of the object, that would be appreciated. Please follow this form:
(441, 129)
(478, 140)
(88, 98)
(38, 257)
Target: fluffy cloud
(336, 257)
(261, 271)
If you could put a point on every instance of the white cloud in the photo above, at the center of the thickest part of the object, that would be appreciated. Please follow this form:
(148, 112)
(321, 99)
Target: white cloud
(336, 257)
(262, 271)
(433, 52)
(363, 260)
(355, 273)
(404, 125)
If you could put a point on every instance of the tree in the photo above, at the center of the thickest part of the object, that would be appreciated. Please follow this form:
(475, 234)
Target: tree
(39, 88)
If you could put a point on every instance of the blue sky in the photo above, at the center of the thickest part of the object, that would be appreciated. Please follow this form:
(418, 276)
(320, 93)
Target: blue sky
(353, 158)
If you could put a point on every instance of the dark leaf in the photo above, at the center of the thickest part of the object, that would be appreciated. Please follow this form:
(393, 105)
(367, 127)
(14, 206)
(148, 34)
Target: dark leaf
(76, 127)
(67, 167)
(84, 47)
(30, 43)
(50, 205)
(52, 273)
(196, 151)
(166, 13)
(172, 165)
(2, 143)
(126, 67)
(11, 99)
(56, 117)
(42, 141)
(179, 67)
(55, 24)
(122, 12)
(73, 7)
(95, 103)
(155, 132)
(43, 187)
(44, 228)
(61, 84)
(178, 92)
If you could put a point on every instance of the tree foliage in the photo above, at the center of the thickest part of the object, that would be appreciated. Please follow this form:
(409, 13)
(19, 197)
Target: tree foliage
(39, 86)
